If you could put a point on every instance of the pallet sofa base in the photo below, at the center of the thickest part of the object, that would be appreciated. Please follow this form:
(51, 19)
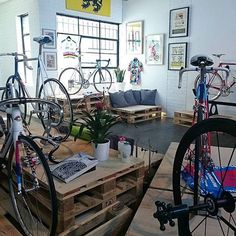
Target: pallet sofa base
(138, 113)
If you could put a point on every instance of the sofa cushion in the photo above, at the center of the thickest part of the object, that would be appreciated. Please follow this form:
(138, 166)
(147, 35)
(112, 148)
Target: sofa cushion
(129, 97)
(137, 96)
(118, 99)
(148, 97)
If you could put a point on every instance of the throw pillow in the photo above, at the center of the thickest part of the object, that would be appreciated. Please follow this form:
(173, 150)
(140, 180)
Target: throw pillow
(118, 99)
(129, 97)
(148, 97)
(137, 96)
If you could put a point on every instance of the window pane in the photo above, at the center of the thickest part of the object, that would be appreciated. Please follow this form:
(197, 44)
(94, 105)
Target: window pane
(109, 31)
(89, 45)
(89, 28)
(25, 24)
(108, 46)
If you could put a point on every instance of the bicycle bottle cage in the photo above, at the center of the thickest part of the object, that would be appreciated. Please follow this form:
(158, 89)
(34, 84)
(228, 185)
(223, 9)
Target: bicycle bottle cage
(43, 39)
(201, 60)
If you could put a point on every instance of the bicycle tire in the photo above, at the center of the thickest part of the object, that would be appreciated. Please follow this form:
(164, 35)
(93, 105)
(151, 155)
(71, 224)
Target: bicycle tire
(222, 132)
(53, 90)
(31, 211)
(20, 92)
(102, 77)
(72, 80)
(214, 84)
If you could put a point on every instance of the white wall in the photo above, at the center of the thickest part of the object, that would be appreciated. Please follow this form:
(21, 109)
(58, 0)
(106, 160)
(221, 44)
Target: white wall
(211, 30)
(8, 34)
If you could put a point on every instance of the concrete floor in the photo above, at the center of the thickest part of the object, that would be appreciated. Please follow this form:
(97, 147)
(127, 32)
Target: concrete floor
(156, 134)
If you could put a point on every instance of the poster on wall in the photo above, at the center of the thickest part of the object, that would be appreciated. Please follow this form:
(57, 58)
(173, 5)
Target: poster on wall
(134, 35)
(177, 57)
(97, 7)
(50, 60)
(178, 22)
(154, 49)
(52, 34)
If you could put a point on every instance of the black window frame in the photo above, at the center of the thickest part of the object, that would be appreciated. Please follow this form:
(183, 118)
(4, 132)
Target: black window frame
(94, 37)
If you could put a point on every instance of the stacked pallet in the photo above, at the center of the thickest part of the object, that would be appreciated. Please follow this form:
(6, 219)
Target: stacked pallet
(86, 202)
(138, 113)
(184, 118)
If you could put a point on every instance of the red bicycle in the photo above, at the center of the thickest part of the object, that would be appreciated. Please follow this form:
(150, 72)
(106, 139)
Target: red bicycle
(217, 84)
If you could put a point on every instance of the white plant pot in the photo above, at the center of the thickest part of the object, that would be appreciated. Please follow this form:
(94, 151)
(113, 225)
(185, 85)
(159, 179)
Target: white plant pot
(101, 152)
(124, 149)
(120, 86)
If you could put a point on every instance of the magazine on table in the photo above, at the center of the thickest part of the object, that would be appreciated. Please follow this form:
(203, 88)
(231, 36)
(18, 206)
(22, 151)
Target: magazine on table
(73, 166)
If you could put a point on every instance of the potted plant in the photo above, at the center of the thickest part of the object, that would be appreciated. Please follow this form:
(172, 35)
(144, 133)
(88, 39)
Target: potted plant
(97, 124)
(120, 75)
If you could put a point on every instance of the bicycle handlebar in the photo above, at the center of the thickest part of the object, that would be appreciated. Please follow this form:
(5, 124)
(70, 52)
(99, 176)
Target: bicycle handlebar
(208, 70)
(16, 54)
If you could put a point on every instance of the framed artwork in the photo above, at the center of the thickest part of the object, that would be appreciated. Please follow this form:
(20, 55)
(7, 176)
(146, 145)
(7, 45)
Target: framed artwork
(177, 56)
(178, 22)
(52, 34)
(50, 60)
(154, 49)
(134, 35)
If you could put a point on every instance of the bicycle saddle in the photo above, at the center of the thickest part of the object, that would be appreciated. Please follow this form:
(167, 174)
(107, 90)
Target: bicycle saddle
(43, 39)
(201, 60)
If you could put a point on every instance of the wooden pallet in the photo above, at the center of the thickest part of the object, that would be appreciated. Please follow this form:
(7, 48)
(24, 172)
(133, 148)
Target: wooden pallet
(91, 193)
(184, 118)
(138, 113)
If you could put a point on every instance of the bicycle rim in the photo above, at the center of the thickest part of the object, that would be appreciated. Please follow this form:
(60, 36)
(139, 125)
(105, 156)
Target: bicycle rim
(53, 90)
(71, 78)
(216, 139)
(36, 206)
(214, 85)
(102, 80)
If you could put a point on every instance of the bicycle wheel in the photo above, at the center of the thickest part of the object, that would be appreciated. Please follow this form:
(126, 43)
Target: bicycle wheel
(203, 176)
(36, 205)
(214, 83)
(72, 79)
(53, 90)
(20, 92)
(102, 80)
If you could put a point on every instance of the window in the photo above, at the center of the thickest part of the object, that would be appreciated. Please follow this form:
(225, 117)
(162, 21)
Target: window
(25, 47)
(94, 39)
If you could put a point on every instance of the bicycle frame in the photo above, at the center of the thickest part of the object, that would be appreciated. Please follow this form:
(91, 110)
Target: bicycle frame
(225, 81)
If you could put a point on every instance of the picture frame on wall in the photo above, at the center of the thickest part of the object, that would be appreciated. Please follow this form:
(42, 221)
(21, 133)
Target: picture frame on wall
(177, 55)
(134, 37)
(154, 49)
(179, 22)
(52, 34)
(50, 60)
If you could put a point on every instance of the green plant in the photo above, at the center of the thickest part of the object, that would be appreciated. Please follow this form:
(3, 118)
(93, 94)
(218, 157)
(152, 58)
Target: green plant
(97, 123)
(120, 75)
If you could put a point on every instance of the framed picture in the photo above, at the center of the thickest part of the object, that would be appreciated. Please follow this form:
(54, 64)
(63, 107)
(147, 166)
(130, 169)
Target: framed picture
(177, 57)
(50, 60)
(178, 22)
(52, 34)
(154, 49)
(134, 35)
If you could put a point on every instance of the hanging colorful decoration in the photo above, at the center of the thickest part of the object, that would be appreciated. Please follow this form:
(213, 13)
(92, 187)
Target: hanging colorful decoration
(135, 67)
(98, 7)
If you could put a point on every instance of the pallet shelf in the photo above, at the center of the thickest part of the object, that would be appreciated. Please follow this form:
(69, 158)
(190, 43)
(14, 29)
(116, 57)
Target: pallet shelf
(184, 118)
